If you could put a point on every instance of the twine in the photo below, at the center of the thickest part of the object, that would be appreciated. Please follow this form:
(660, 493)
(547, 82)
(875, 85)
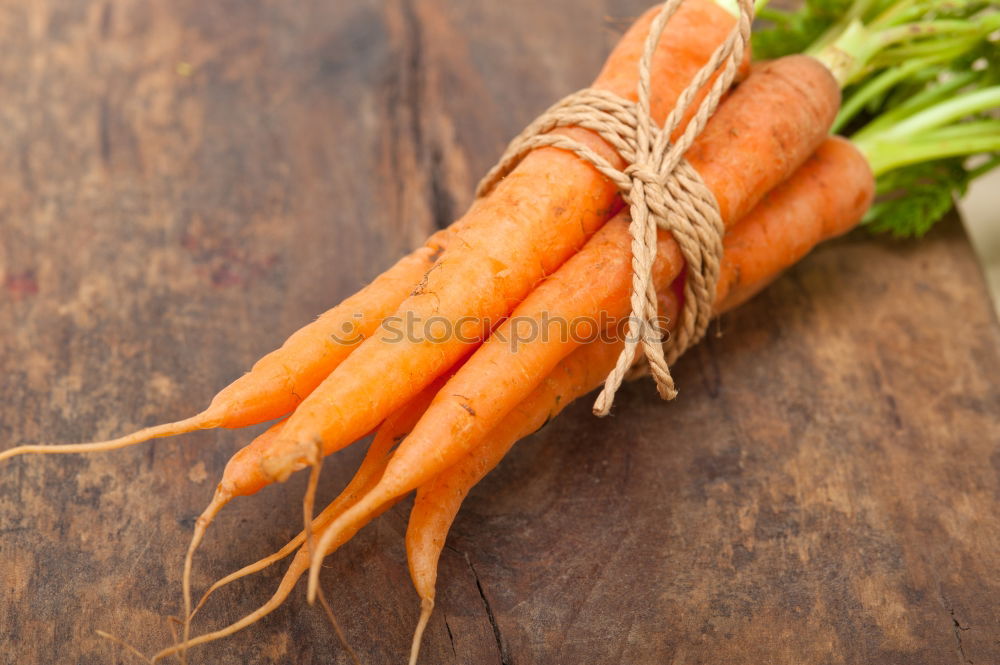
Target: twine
(660, 187)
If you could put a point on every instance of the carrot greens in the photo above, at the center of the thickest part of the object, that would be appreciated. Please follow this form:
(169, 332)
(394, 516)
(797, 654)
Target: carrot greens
(922, 90)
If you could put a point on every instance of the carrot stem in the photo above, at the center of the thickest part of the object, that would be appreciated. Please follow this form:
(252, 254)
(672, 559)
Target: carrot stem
(918, 102)
(967, 130)
(872, 89)
(948, 127)
(853, 45)
(944, 112)
(948, 48)
(884, 156)
(896, 13)
(835, 31)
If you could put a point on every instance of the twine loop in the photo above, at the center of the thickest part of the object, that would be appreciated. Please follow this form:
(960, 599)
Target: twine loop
(661, 189)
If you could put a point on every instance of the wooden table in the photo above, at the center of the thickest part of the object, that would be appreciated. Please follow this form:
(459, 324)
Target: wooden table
(182, 184)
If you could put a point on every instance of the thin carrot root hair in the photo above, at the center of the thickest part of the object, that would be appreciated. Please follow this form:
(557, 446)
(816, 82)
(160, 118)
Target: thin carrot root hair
(343, 528)
(426, 608)
(298, 567)
(341, 503)
(172, 623)
(204, 420)
(292, 575)
(124, 645)
(337, 629)
(250, 569)
(369, 473)
(219, 500)
(309, 500)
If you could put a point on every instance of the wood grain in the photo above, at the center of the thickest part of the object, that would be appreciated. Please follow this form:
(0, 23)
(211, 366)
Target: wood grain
(182, 184)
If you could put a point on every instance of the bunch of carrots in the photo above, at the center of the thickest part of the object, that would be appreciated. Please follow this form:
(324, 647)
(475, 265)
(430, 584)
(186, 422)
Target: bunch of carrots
(445, 411)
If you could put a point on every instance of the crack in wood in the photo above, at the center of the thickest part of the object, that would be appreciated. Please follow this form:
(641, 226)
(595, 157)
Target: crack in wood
(959, 629)
(427, 150)
(442, 202)
(504, 660)
(451, 636)
(413, 81)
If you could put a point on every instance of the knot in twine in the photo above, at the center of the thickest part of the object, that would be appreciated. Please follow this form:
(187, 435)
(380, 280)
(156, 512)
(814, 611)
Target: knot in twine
(661, 188)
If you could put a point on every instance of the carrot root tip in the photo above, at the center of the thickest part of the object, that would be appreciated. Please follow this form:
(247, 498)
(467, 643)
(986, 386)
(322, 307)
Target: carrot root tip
(337, 629)
(203, 420)
(125, 645)
(219, 500)
(426, 608)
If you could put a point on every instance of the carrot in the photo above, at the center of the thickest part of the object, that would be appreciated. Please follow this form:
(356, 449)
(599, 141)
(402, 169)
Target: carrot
(836, 195)
(224, 493)
(531, 222)
(776, 118)
(388, 435)
(551, 322)
(782, 111)
(826, 196)
(438, 501)
(299, 565)
(280, 380)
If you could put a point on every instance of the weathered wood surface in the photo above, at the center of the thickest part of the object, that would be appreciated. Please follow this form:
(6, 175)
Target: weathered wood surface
(183, 183)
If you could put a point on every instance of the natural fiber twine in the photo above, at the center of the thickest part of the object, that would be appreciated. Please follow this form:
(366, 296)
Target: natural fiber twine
(660, 187)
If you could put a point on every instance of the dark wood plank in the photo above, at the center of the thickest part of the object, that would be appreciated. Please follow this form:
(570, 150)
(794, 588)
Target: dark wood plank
(183, 184)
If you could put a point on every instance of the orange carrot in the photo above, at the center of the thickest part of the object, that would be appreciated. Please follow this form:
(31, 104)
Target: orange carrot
(532, 221)
(803, 100)
(809, 208)
(299, 565)
(827, 196)
(389, 434)
(563, 312)
(438, 501)
(479, 395)
(782, 111)
(280, 380)
(836, 196)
